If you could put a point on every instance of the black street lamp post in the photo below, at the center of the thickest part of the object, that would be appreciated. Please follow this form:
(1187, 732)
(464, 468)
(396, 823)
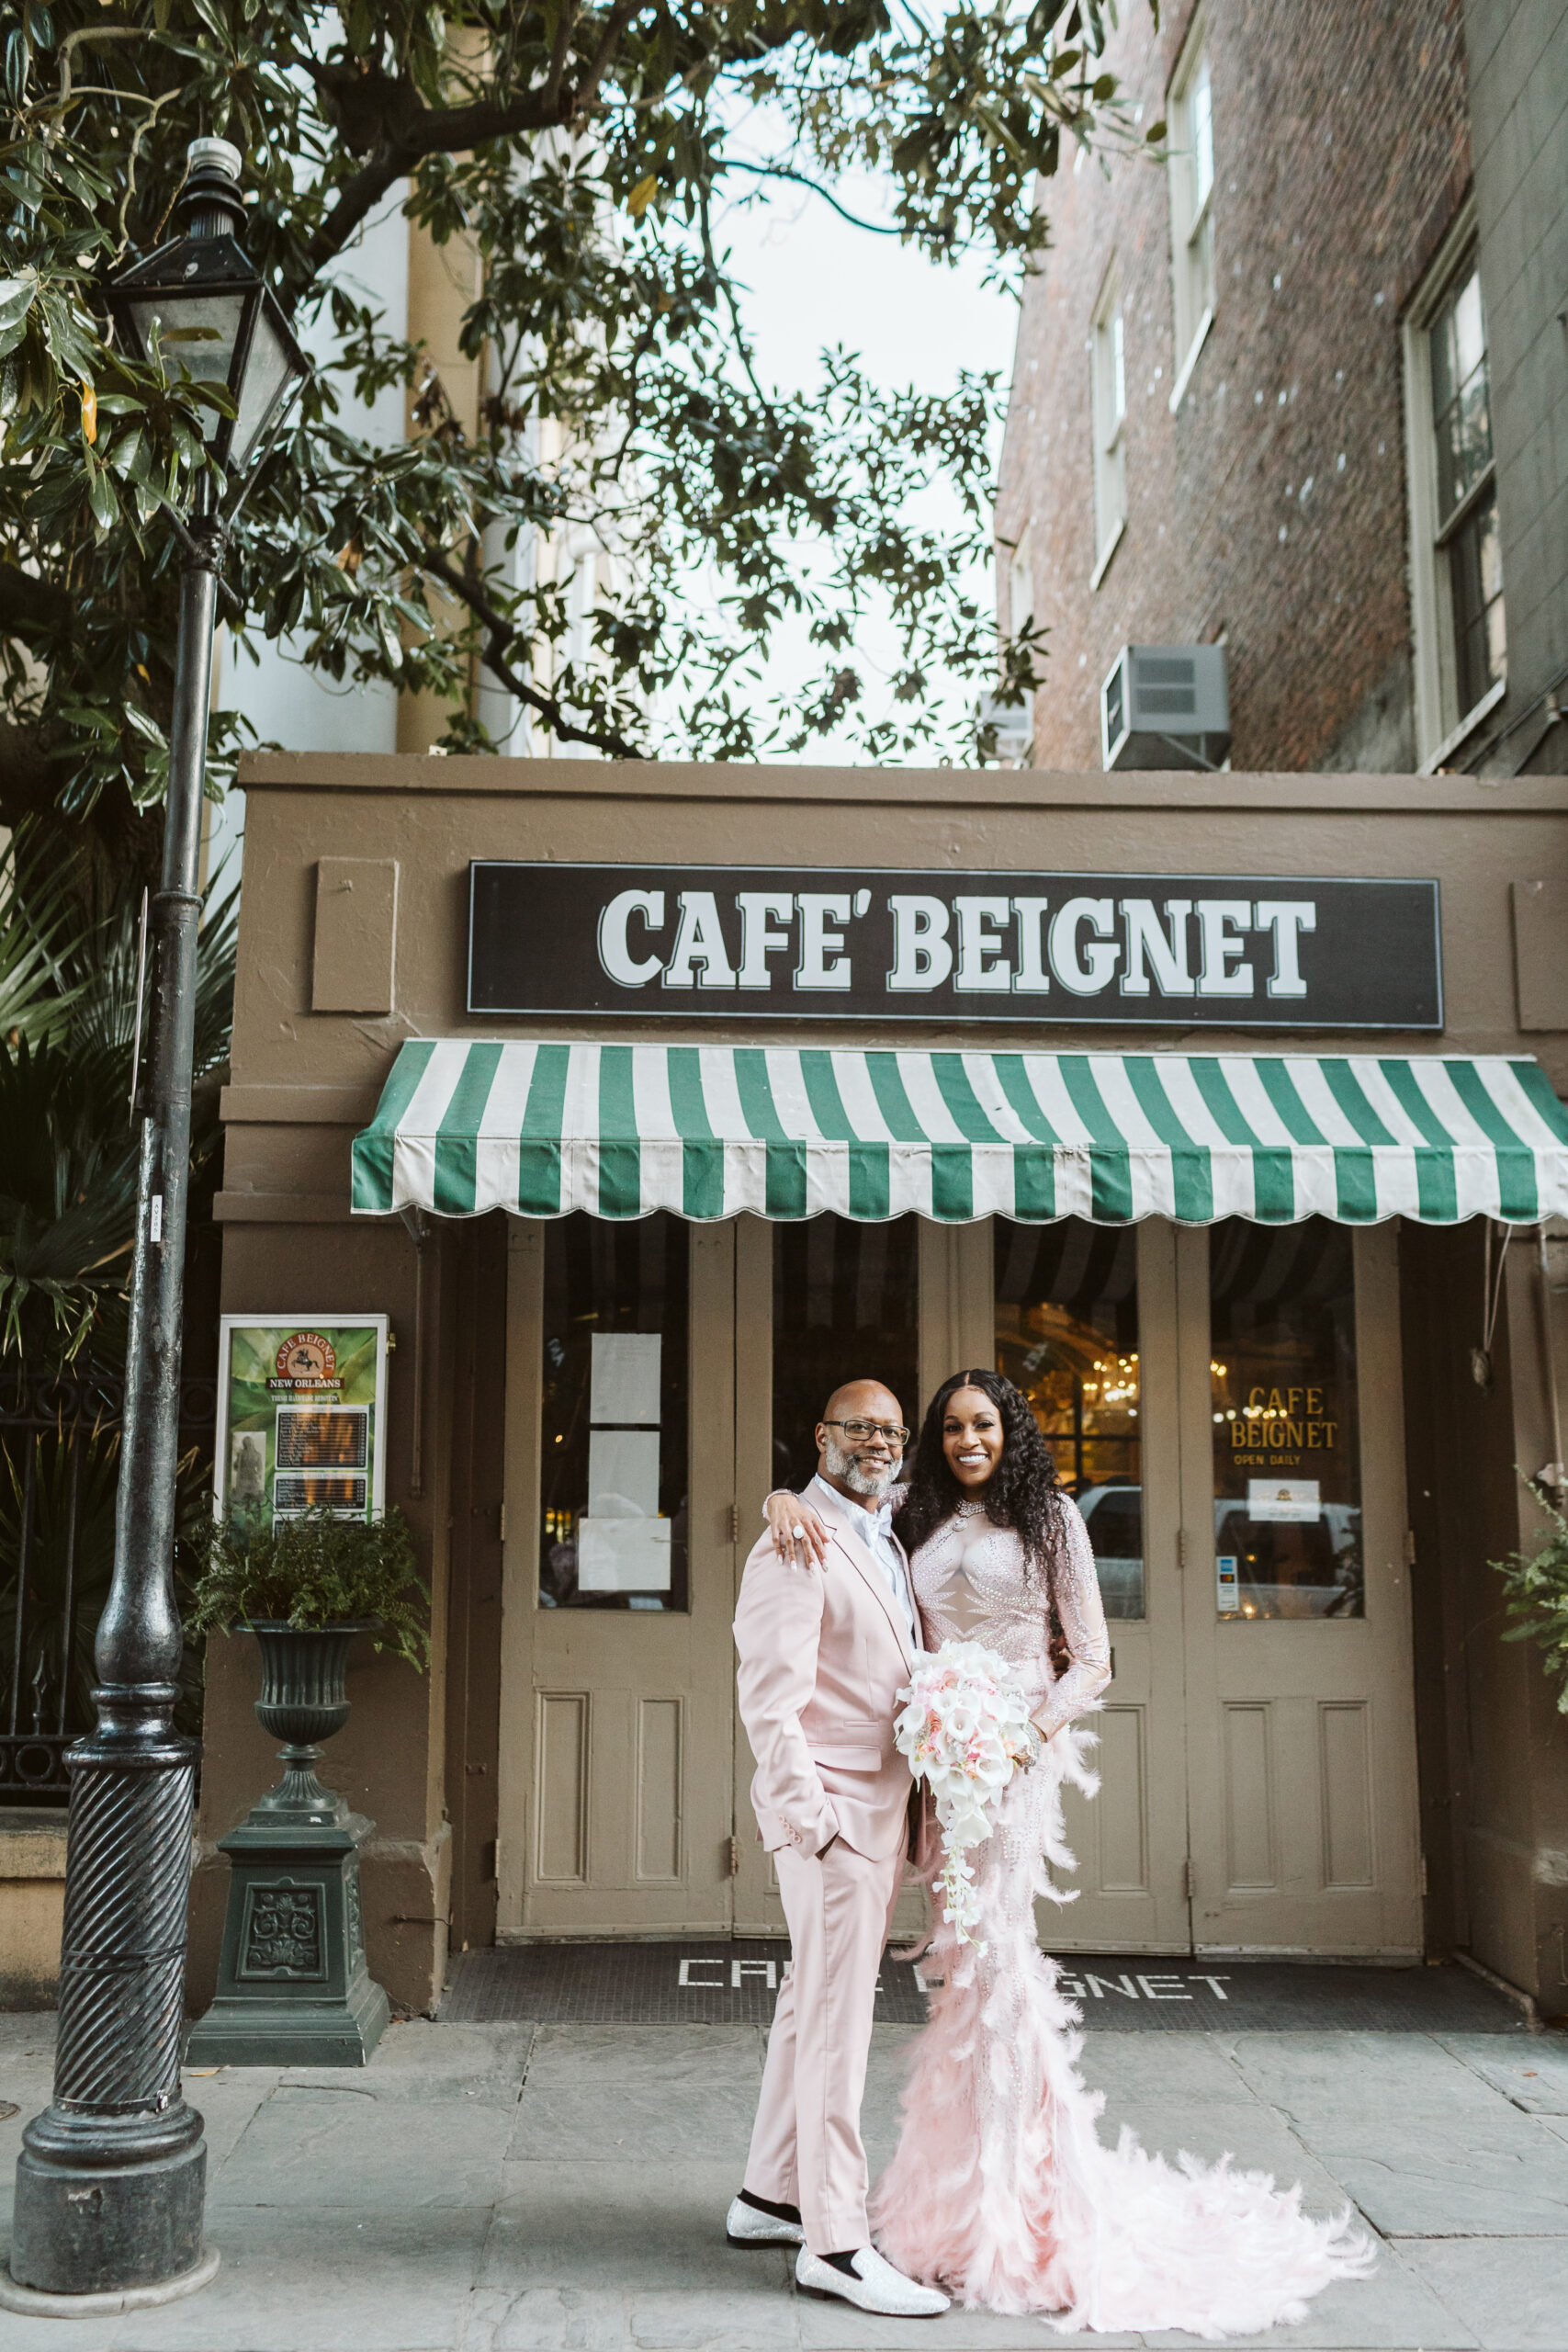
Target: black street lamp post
(110, 2180)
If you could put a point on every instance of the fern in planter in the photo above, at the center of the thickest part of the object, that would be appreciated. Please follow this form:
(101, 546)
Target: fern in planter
(317, 1569)
(1537, 1588)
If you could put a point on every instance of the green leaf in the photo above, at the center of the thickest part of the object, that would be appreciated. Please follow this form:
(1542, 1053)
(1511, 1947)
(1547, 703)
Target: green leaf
(17, 298)
(73, 338)
(102, 500)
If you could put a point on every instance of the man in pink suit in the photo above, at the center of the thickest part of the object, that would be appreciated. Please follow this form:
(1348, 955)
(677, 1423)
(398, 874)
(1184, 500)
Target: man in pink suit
(824, 1653)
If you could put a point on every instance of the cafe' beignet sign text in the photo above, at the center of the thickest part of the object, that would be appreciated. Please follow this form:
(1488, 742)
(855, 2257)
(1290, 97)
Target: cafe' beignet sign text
(855, 942)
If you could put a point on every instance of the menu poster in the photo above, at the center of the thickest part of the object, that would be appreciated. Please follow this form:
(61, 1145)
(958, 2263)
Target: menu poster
(300, 1405)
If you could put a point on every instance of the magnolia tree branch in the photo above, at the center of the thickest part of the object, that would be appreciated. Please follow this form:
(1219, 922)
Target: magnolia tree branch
(620, 17)
(501, 634)
(407, 130)
(560, 54)
(410, 131)
(419, 131)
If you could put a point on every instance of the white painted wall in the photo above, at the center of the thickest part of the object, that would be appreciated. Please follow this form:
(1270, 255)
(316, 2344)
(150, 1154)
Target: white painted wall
(289, 705)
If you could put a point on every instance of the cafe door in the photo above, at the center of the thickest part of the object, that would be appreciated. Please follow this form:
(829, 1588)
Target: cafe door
(1085, 1325)
(616, 1746)
(818, 1302)
(1301, 1738)
(1224, 1404)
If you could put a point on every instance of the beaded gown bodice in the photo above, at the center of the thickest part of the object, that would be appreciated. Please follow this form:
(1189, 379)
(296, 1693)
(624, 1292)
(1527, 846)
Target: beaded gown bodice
(971, 1583)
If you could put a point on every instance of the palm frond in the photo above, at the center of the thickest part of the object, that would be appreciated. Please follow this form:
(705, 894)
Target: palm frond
(41, 928)
(68, 1142)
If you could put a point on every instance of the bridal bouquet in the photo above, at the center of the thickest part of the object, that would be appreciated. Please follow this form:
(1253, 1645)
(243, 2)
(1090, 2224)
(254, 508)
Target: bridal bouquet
(965, 1731)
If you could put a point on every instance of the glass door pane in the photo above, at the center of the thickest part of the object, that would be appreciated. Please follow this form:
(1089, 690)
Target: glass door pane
(1068, 1336)
(1286, 1420)
(846, 1306)
(614, 1471)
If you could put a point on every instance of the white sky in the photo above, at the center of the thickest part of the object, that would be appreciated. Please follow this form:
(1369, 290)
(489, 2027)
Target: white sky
(813, 281)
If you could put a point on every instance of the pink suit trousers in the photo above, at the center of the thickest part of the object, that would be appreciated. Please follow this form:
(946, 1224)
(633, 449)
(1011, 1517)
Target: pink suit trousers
(824, 1653)
(806, 2145)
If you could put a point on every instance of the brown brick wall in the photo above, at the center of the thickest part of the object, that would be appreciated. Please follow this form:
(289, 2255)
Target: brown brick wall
(1271, 507)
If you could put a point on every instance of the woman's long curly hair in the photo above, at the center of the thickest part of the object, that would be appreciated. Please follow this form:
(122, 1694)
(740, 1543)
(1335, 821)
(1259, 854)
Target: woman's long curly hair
(1022, 1492)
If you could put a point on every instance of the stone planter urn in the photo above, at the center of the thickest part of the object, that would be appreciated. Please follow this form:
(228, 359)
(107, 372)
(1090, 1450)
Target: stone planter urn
(293, 1987)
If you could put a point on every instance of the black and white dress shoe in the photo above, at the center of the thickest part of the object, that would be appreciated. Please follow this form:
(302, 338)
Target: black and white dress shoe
(748, 2224)
(870, 2283)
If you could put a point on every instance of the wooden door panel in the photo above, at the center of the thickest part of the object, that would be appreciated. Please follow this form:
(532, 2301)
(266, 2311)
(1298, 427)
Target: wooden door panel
(659, 1808)
(1345, 1793)
(1122, 1811)
(1251, 1846)
(560, 1837)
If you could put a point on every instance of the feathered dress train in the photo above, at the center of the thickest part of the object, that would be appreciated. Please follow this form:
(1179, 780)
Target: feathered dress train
(1001, 2188)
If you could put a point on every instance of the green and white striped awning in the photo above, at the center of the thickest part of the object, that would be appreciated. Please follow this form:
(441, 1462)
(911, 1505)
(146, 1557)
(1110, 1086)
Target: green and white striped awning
(788, 1131)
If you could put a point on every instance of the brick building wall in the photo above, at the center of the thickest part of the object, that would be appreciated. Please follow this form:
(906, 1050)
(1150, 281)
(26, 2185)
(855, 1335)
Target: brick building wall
(1518, 57)
(1271, 509)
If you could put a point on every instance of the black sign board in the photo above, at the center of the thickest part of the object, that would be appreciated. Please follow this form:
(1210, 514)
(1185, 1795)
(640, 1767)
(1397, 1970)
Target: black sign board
(773, 942)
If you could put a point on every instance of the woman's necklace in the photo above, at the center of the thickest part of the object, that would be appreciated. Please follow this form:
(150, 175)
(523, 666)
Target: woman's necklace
(972, 1511)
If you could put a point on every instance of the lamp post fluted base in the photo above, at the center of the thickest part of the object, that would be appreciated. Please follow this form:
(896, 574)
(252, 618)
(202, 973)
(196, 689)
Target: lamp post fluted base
(111, 2177)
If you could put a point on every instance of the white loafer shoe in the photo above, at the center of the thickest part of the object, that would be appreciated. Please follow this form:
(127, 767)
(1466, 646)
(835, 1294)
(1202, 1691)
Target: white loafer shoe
(875, 2286)
(748, 2225)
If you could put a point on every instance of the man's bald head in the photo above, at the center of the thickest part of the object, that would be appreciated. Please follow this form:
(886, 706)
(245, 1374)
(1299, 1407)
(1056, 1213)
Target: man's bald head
(863, 1399)
(863, 1467)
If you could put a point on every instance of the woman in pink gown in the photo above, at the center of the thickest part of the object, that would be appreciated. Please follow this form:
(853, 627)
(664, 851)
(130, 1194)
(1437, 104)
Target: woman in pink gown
(1001, 2188)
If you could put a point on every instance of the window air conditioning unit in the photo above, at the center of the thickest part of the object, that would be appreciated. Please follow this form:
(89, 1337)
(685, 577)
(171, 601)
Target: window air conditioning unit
(1166, 707)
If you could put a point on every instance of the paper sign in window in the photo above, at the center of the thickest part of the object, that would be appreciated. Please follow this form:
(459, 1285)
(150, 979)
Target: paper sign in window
(622, 1556)
(1282, 1498)
(625, 1383)
(622, 1474)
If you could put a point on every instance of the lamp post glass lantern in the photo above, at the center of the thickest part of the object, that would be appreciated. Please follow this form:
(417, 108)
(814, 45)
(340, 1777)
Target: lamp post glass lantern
(200, 303)
(111, 2177)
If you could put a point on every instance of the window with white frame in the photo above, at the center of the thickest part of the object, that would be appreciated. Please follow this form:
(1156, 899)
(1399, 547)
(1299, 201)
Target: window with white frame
(1191, 116)
(581, 590)
(1108, 356)
(1456, 563)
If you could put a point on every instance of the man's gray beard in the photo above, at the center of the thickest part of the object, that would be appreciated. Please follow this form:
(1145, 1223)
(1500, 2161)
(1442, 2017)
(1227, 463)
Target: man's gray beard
(859, 1475)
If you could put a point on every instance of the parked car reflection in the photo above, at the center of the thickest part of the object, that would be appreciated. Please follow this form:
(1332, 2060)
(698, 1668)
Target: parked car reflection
(1299, 1569)
(1114, 1517)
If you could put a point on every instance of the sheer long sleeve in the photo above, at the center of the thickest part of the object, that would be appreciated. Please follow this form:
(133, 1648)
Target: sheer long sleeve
(1083, 1621)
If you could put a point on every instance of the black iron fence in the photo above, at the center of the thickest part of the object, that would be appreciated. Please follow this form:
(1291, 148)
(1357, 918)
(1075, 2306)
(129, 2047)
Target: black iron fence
(59, 1468)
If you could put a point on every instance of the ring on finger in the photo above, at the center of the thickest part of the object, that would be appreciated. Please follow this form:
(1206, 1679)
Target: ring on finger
(798, 1533)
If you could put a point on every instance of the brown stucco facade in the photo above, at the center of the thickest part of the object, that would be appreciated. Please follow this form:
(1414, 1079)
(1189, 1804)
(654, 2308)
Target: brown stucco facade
(421, 1756)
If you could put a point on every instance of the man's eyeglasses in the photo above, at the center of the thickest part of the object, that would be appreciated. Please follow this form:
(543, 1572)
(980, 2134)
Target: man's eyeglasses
(861, 1431)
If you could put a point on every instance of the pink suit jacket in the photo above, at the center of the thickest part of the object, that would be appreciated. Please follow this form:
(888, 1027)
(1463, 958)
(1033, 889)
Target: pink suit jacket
(824, 1653)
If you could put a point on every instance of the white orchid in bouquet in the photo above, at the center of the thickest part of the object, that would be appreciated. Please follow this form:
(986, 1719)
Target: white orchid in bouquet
(965, 1731)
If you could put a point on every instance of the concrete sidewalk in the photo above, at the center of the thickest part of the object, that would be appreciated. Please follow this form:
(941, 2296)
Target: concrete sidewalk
(562, 2188)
